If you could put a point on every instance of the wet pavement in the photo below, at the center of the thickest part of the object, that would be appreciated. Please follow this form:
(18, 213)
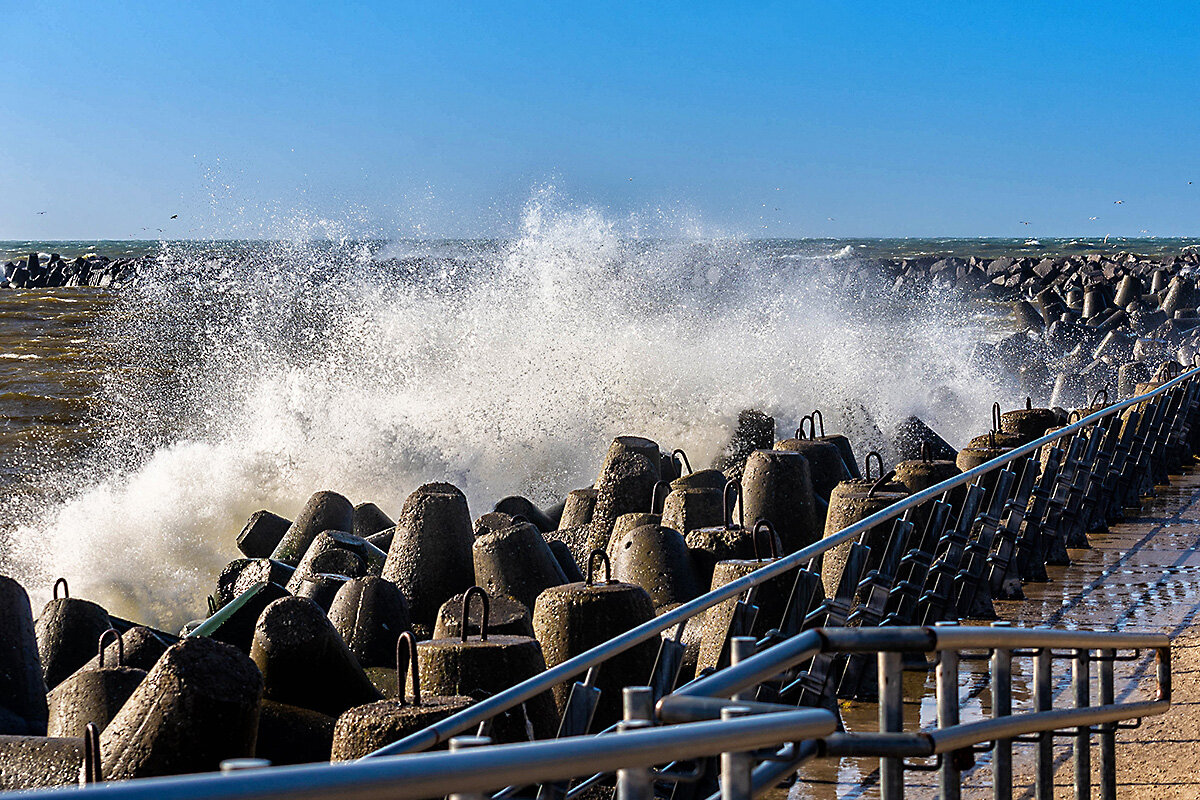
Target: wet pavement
(1142, 575)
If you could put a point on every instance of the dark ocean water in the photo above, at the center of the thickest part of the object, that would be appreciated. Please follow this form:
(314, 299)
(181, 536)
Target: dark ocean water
(859, 248)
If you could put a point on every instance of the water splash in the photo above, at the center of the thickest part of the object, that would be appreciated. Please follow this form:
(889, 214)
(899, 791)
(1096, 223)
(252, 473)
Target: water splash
(256, 375)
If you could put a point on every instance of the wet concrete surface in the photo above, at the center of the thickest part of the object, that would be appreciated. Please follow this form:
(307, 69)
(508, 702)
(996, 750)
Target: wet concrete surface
(1142, 575)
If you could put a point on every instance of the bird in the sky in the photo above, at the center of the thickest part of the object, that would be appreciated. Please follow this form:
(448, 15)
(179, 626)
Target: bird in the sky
(176, 216)
(40, 213)
(1023, 222)
(830, 219)
(1118, 202)
(1091, 217)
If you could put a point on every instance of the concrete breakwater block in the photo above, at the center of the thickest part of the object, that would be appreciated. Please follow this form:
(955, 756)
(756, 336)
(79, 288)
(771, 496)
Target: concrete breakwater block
(575, 617)
(198, 706)
(262, 534)
(22, 689)
(506, 617)
(324, 511)
(370, 614)
(657, 559)
(430, 557)
(292, 735)
(93, 695)
(481, 666)
(36, 762)
(304, 661)
(67, 632)
(516, 561)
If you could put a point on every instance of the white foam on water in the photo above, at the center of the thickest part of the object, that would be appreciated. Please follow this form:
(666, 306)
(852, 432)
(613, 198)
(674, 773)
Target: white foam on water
(507, 369)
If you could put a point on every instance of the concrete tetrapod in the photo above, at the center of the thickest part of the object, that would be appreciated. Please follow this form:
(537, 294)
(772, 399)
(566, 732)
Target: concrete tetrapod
(430, 557)
(324, 511)
(817, 420)
(573, 618)
(516, 561)
(825, 466)
(262, 534)
(197, 707)
(22, 688)
(506, 617)
(482, 667)
(777, 485)
(850, 502)
(36, 762)
(67, 632)
(304, 661)
(718, 623)
(93, 695)
(370, 614)
(707, 546)
(657, 559)
(364, 729)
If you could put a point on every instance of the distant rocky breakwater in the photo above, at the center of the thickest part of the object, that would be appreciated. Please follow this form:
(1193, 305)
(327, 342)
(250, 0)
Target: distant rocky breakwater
(36, 272)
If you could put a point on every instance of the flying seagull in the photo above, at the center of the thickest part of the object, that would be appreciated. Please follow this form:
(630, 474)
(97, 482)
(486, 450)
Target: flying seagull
(1023, 222)
(1091, 217)
(1118, 202)
(40, 213)
(174, 216)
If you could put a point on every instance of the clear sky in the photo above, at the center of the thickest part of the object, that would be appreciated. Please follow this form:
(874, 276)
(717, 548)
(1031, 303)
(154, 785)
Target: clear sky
(442, 118)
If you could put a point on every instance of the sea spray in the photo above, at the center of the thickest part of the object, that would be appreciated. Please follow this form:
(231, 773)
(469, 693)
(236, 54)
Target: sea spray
(253, 376)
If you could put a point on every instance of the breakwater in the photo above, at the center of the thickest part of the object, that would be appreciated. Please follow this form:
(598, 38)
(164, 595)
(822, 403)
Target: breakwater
(663, 544)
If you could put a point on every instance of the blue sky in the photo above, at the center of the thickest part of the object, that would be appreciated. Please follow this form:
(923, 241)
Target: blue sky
(441, 119)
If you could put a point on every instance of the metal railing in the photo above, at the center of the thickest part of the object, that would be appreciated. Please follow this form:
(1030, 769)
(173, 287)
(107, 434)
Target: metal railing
(484, 710)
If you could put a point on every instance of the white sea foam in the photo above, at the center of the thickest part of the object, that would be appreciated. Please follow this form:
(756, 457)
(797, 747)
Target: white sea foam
(504, 370)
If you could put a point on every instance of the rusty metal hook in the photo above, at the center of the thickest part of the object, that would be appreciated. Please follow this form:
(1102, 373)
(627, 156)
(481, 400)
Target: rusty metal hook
(882, 480)
(93, 771)
(654, 506)
(591, 568)
(1028, 403)
(996, 417)
(406, 664)
(120, 647)
(212, 605)
(817, 416)
(812, 427)
(764, 525)
(732, 495)
(680, 457)
(879, 458)
(926, 451)
(485, 616)
(66, 591)
(1071, 418)
(1103, 390)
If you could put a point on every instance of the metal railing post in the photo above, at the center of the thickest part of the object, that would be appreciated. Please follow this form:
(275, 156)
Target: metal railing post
(1081, 683)
(741, 648)
(1042, 701)
(1001, 707)
(736, 767)
(1108, 731)
(949, 776)
(462, 743)
(636, 783)
(891, 720)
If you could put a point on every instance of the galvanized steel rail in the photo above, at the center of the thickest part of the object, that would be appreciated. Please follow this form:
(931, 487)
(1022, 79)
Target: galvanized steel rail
(474, 715)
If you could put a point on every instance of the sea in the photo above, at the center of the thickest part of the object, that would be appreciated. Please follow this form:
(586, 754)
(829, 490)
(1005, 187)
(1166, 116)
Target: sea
(141, 427)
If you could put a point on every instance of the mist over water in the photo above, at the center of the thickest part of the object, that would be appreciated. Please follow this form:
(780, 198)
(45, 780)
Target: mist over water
(252, 377)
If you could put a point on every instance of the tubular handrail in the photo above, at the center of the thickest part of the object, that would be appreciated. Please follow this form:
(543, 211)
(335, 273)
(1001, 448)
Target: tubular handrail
(479, 769)
(935, 638)
(526, 690)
